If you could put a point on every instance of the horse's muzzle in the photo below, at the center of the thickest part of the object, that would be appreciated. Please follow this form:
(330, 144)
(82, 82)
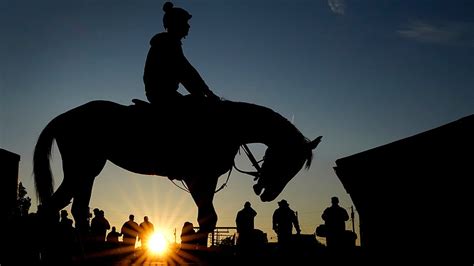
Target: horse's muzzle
(257, 188)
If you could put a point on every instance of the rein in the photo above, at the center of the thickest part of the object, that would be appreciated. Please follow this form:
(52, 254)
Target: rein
(255, 174)
(254, 162)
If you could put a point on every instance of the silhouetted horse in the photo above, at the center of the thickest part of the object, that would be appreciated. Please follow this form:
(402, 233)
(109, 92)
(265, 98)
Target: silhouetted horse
(194, 141)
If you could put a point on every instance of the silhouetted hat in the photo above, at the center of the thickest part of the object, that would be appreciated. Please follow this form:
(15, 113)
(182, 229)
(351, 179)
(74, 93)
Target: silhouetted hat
(283, 203)
(174, 14)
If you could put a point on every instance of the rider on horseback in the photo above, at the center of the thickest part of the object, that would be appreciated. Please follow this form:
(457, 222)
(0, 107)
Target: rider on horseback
(166, 66)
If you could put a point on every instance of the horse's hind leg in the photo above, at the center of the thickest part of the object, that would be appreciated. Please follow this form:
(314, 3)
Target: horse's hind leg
(82, 175)
(65, 192)
(80, 206)
(62, 197)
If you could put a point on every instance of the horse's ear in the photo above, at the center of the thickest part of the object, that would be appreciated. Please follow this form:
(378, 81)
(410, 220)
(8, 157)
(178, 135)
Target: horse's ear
(314, 143)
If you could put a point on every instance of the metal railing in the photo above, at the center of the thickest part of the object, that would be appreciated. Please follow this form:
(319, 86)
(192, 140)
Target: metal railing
(221, 233)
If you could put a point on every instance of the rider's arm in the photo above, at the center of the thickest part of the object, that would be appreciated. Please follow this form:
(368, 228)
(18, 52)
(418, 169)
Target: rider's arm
(193, 82)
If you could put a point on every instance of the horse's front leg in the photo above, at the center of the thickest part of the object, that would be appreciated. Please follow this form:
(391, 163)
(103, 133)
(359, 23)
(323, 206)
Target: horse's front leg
(202, 190)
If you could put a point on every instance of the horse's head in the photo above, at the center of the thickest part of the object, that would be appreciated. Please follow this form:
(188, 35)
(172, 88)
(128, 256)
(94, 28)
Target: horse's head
(281, 164)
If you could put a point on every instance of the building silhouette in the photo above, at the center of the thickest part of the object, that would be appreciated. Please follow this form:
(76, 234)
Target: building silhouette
(413, 195)
(9, 163)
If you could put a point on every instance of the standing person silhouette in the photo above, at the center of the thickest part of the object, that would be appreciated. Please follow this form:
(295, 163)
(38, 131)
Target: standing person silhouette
(113, 238)
(166, 66)
(188, 236)
(130, 231)
(146, 231)
(67, 237)
(245, 224)
(65, 221)
(334, 218)
(284, 219)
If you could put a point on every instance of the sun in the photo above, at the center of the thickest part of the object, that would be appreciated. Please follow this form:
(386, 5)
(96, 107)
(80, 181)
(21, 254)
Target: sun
(157, 244)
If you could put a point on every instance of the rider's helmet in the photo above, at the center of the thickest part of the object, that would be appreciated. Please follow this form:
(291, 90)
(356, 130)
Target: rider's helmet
(174, 15)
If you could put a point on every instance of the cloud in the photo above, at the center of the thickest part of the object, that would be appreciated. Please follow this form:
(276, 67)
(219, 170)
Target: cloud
(447, 33)
(337, 6)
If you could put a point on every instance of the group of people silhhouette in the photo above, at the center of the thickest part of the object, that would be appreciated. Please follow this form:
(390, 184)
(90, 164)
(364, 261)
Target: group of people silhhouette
(59, 242)
(250, 240)
(96, 239)
(284, 220)
(98, 228)
(132, 232)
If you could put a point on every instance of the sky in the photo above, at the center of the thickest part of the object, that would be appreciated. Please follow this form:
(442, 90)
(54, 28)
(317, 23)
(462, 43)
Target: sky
(359, 73)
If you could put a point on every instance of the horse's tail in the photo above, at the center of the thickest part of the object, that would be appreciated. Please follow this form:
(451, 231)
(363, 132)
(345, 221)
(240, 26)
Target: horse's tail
(41, 165)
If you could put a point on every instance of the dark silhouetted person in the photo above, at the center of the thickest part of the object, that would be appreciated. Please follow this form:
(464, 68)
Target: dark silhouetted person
(146, 231)
(245, 224)
(66, 227)
(130, 231)
(65, 222)
(166, 66)
(113, 238)
(67, 238)
(94, 225)
(334, 218)
(188, 236)
(284, 219)
(99, 227)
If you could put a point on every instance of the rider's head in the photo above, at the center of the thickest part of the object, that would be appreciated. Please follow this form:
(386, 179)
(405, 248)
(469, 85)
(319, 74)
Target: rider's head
(176, 20)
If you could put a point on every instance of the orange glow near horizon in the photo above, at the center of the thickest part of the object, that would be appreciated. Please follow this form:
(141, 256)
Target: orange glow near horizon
(158, 243)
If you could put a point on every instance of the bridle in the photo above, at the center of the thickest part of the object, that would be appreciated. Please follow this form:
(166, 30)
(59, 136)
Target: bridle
(256, 174)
